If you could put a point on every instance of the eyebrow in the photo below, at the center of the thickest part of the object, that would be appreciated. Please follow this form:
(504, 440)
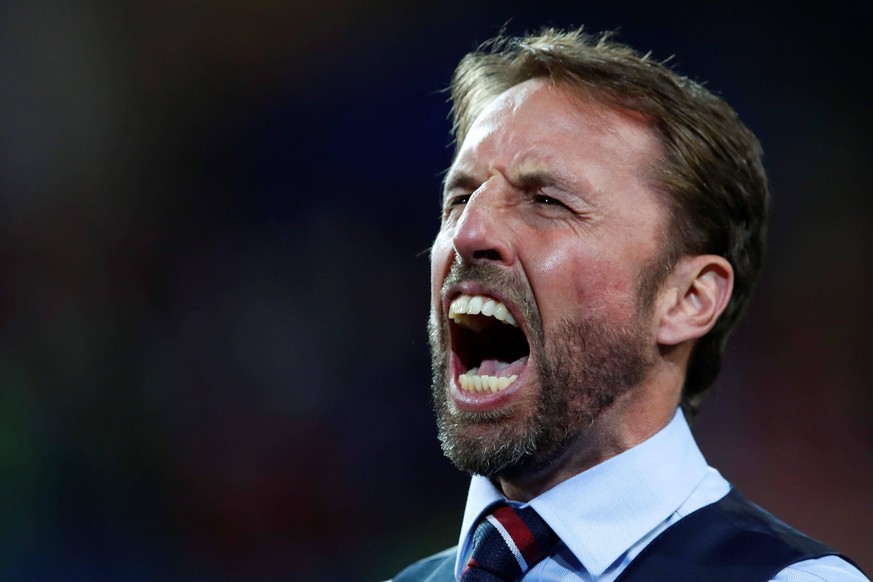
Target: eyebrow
(525, 180)
(459, 179)
(536, 179)
(529, 180)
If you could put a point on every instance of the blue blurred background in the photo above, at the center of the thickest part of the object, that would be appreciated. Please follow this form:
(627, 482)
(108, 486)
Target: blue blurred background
(214, 219)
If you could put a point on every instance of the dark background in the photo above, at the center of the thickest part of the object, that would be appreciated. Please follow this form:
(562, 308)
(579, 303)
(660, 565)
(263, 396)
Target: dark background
(213, 284)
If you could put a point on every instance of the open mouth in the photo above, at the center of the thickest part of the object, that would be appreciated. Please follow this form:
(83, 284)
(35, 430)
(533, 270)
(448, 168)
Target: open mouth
(490, 347)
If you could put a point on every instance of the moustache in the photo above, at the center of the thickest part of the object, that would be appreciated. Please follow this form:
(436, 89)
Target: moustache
(486, 274)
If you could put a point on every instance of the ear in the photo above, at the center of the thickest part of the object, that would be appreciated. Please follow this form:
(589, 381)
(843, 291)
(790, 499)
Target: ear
(695, 294)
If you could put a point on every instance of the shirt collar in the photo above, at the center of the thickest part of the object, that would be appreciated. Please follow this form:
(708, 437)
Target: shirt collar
(600, 513)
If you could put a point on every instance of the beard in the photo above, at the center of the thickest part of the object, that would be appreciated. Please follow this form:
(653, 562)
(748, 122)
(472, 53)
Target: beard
(582, 367)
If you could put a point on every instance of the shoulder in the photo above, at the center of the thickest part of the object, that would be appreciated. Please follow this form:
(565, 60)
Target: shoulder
(744, 518)
(732, 539)
(437, 568)
(803, 558)
(826, 569)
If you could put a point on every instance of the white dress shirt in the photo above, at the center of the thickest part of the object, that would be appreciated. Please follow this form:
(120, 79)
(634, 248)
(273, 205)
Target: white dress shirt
(606, 515)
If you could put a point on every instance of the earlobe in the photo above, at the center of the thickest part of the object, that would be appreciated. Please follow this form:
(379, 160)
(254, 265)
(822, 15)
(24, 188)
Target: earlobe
(695, 295)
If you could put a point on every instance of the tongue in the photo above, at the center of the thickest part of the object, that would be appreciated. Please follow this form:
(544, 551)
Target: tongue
(501, 369)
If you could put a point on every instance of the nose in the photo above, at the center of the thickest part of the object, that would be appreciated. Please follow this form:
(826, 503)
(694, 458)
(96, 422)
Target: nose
(483, 233)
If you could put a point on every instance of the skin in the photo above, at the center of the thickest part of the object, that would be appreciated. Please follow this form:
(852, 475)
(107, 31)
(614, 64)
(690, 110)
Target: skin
(556, 191)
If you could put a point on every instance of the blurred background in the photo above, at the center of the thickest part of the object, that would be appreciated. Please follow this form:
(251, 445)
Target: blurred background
(214, 219)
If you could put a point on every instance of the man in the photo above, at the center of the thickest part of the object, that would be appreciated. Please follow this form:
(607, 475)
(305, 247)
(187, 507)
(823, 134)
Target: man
(602, 229)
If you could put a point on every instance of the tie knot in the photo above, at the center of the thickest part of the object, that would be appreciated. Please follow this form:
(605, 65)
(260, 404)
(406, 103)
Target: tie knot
(507, 543)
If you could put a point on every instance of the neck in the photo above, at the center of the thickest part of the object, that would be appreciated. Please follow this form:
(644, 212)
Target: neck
(630, 420)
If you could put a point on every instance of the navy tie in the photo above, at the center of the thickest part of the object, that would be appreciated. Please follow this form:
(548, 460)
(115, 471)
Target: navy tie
(507, 543)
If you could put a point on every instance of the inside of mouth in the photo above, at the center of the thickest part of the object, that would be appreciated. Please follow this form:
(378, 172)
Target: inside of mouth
(491, 349)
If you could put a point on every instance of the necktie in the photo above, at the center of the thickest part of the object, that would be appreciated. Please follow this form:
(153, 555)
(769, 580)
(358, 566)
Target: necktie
(508, 543)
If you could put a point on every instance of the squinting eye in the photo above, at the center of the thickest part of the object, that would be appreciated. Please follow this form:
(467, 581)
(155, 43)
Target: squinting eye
(547, 200)
(455, 201)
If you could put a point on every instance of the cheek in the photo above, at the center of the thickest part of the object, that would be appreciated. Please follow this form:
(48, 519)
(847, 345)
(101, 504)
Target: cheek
(441, 256)
(569, 285)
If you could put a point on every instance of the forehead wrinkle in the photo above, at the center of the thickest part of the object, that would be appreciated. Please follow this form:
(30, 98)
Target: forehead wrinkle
(595, 111)
(490, 120)
(498, 132)
(508, 149)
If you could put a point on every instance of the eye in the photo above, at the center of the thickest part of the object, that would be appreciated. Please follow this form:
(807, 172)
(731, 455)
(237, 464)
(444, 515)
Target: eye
(453, 202)
(547, 200)
(457, 200)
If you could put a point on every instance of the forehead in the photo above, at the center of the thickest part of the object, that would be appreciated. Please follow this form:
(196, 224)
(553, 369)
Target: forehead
(540, 123)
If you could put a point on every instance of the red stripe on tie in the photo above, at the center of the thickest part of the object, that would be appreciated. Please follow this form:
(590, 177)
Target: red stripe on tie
(524, 540)
(471, 564)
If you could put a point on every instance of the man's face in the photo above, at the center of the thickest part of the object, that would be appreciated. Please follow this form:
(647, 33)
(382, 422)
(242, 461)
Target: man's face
(550, 233)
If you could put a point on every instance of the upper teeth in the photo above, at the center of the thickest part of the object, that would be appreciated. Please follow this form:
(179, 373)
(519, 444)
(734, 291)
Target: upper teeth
(479, 305)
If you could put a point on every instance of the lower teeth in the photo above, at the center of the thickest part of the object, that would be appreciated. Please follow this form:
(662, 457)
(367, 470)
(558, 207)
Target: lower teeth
(476, 383)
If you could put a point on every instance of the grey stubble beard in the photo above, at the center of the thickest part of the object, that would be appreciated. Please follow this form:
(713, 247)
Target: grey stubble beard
(581, 370)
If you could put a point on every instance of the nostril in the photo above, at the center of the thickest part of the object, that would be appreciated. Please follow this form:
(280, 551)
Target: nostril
(489, 254)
